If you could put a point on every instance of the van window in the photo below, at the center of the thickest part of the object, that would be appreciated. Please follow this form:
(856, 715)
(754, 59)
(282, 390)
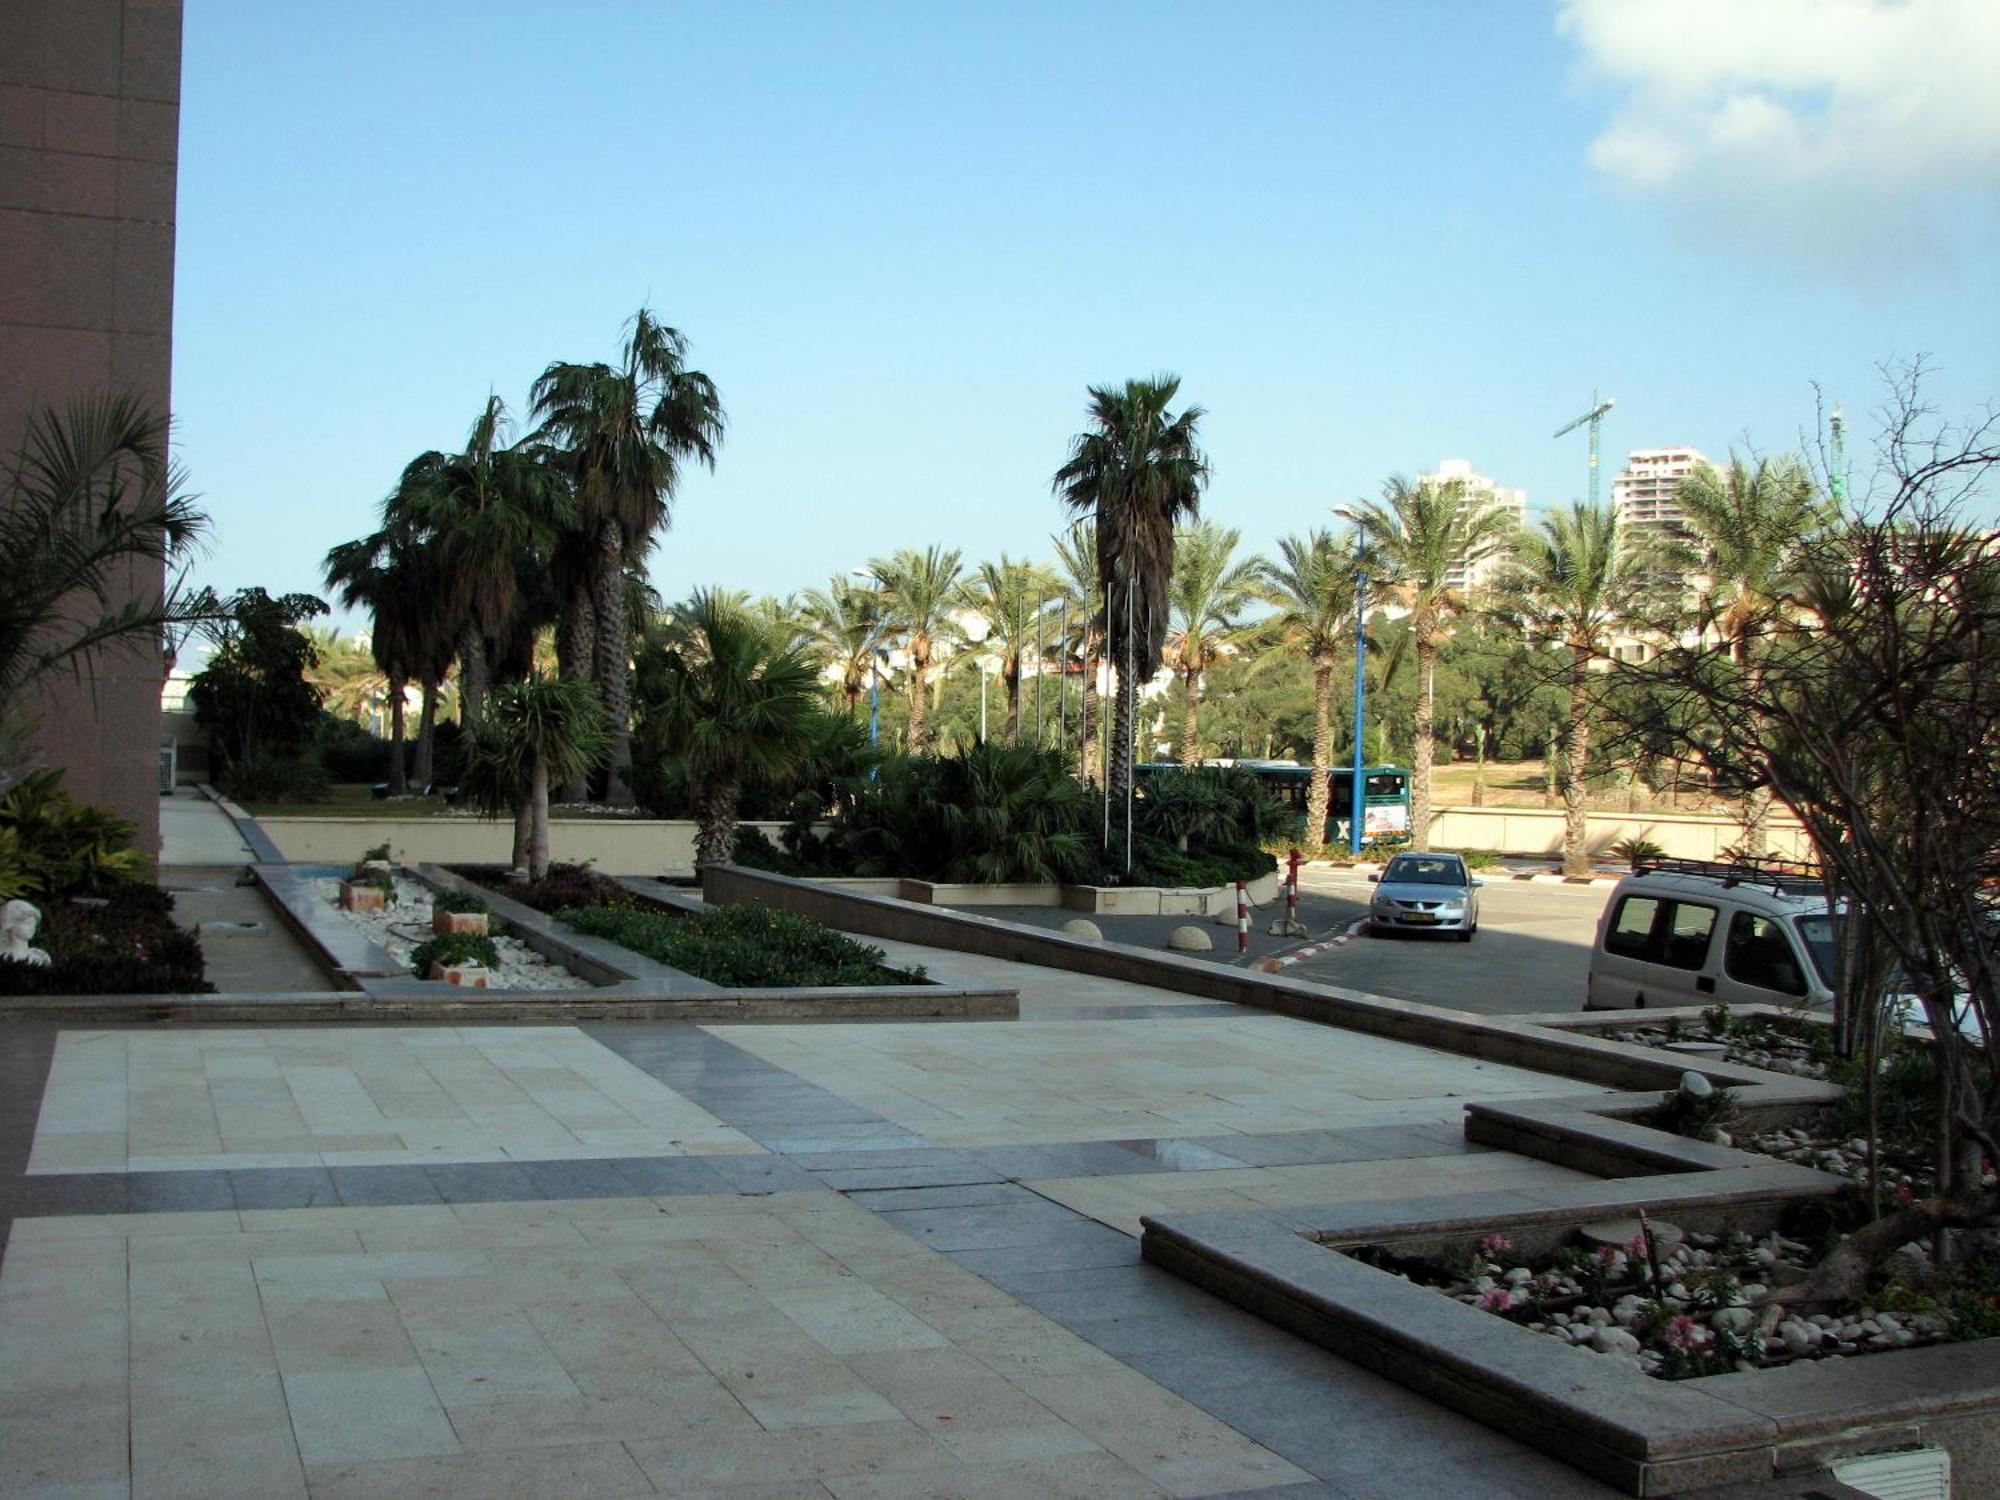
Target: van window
(1758, 954)
(1687, 935)
(1631, 931)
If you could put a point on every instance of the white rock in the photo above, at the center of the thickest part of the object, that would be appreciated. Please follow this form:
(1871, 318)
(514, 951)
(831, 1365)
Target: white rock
(1518, 1275)
(1695, 1086)
(1732, 1320)
(1613, 1341)
(1799, 1338)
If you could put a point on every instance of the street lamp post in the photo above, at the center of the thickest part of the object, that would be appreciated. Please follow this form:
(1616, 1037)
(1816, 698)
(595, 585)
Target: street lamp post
(1354, 809)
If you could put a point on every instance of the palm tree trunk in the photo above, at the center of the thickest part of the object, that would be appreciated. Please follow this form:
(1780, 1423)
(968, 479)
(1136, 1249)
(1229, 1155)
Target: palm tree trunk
(524, 834)
(1088, 729)
(1319, 791)
(421, 773)
(1425, 737)
(1191, 719)
(715, 818)
(920, 662)
(472, 676)
(1479, 776)
(1012, 682)
(1118, 771)
(613, 661)
(399, 776)
(1576, 766)
(576, 645)
(538, 820)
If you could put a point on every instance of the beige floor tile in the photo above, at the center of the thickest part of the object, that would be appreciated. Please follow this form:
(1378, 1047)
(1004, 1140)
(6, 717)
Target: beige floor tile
(1080, 1476)
(592, 1471)
(199, 1437)
(56, 1438)
(351, 1416)
(363, 1335)
(697, 1407)
(706, 1463)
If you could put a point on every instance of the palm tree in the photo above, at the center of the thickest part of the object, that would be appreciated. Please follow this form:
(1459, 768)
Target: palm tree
(383, 574)
(731, 700)
(90, 510)
(1746, 526)
(1076, 560)
(1418, 536)
(346, 673)
(1313, 589)
(919, 592)
(623, 433)
(1011, 598)
(537, 733)
(1575, 582)
(1140, 471)
(844, 628)
(489, 508)
(1208, 591)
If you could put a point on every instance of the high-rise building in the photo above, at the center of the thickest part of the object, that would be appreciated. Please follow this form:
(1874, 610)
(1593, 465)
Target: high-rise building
(1479, 490)
(1645, 493)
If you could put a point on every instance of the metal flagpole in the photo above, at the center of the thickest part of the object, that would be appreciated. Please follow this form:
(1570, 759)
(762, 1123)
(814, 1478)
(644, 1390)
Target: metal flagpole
(1041, 666)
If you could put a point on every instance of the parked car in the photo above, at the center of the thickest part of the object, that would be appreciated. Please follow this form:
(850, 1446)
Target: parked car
(1691, 932)
(1425, 893)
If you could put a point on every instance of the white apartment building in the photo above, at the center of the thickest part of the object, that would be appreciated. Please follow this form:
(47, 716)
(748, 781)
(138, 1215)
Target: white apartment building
(1478, 490)
(1644, 493)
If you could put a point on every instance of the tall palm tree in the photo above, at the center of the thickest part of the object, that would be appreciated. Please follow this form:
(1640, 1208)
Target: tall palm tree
(1076, 571)
(1313, 588)
(1208, 592)
(719, 690)
(1746, 527)
(624, 433)
(1418, 536)
(539, 733)
(1575, 582)
(1140, 471)
(349, 679)
(388, 574)
(845, 630)
(489, 508)
(919, 592)
(1011, 596)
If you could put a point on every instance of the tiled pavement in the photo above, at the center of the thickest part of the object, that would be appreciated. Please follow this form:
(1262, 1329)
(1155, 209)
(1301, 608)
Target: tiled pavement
(871, 1260)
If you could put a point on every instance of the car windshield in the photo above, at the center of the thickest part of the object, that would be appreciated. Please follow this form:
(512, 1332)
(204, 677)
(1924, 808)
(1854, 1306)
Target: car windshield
(1820, 933)
(1409, 870)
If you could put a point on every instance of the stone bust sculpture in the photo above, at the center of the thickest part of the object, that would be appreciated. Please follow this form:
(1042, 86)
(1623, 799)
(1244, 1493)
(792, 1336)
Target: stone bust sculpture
(18, 921)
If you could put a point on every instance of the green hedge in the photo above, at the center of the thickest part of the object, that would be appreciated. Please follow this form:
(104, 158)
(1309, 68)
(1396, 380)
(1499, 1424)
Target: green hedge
(741, 947)
(449, 948)
(122, 943)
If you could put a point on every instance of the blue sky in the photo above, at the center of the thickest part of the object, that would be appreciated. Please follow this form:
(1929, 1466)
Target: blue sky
(903, 239)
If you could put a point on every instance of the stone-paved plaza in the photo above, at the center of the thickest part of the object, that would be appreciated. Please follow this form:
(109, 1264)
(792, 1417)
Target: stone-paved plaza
(734, 1261)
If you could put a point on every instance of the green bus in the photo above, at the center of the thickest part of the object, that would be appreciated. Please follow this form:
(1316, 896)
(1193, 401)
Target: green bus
(1385, 794)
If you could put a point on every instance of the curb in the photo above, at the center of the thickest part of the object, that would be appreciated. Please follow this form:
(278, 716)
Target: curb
(1604, 881)
(1310, 950)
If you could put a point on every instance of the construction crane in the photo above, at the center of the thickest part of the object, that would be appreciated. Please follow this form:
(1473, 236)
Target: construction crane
(1594, 417)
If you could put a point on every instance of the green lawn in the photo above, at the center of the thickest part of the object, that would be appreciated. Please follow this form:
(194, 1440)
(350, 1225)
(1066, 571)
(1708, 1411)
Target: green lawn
(356, 800)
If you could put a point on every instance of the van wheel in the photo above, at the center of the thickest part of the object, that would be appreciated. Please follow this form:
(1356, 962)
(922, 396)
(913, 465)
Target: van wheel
(1467, 935)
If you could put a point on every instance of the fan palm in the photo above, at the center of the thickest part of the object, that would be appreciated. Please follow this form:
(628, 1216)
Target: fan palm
(731, 701)
(1313, 589)
(1010, 597)
(1209, 590)
(91, 514)
(488, 508)
(537, 733)
(624, 433)
(385, 574)
(844, 627)
(919, 592)
(1076, 571)
(346, 673)
(1139, 470)
(1575, 582)
(1417, 537)
(1746, 527)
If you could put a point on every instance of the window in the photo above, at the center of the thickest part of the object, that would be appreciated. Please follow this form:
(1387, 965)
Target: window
(1687, 935)
(1758, 954)
(1631, 932)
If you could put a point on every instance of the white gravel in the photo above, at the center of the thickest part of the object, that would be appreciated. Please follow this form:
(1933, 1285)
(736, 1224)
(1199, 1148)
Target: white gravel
(407, 922)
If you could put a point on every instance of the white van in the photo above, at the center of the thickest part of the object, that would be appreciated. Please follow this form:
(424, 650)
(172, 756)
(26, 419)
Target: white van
(1689, 932)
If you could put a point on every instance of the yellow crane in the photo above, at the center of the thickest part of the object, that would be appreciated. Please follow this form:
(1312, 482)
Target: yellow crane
(1594, 417)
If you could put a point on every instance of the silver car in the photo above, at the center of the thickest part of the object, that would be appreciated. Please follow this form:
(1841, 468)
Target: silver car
(1425, 893)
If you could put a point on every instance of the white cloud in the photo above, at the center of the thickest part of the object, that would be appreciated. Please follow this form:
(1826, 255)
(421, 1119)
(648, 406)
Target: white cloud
(1839, 107)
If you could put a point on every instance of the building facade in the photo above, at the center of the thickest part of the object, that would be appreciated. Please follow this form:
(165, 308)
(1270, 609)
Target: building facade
(1645, 493)
(89, 146)
(1476, 573)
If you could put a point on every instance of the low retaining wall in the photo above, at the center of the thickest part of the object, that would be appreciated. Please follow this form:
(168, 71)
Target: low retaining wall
(1525, 830)
(620, 846)
(1127, 900)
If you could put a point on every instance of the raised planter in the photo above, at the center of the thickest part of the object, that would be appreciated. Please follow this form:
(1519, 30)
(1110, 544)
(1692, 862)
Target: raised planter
(361, 897)
(444, 923)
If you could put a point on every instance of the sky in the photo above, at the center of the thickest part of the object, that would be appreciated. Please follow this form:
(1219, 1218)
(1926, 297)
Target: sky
(904, 239)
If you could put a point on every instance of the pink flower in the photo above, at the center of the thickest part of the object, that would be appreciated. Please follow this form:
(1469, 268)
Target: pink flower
(1496, 1299)
(1685, 1334)
(1491, 1245)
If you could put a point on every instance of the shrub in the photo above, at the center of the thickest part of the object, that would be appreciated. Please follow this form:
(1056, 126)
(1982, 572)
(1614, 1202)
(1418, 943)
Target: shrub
(741, 946)
(753, 849)
(348, 752)
(997, 813)
(53, 845)
(453, 948)
(270, 778)
(563, 886)
(458, 901)
(122, 943)
(1637, 850)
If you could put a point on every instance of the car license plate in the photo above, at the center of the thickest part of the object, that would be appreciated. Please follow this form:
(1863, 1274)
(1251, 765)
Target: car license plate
(1422, 918)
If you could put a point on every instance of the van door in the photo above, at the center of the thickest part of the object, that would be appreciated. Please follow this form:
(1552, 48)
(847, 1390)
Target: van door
(1652, 953)
(1761, 964)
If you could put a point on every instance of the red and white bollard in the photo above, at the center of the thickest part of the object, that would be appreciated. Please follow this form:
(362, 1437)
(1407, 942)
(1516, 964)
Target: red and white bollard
(1292, 892)
(1242, 918)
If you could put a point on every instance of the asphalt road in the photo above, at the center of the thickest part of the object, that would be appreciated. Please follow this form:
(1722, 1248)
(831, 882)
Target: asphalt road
(1532, 951)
